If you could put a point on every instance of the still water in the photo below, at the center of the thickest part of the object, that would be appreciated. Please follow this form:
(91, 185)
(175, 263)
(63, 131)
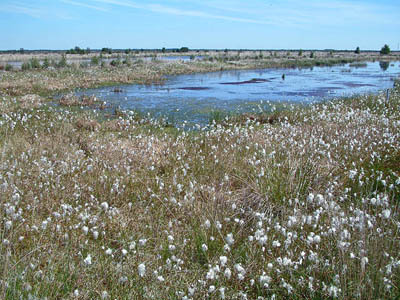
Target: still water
(192, 98)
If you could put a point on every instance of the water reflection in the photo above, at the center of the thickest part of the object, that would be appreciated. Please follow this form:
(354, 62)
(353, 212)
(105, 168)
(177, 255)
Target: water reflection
(384, 65)
(193, 97)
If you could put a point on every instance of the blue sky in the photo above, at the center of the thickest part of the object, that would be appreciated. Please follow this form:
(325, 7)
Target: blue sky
(216, 24)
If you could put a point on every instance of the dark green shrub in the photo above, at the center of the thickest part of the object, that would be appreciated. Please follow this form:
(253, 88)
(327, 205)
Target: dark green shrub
(8, 67)
(35, 64)
(46, 63)
(385, 50)
(63, 62)
(94, 61)
(115, 62)
(300, 52)
(26, 66)
(184, 49)
(312, 55)
(127, 62)
(357, 51)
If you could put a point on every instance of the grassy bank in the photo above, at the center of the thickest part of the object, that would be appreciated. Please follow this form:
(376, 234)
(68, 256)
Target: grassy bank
(304, 207)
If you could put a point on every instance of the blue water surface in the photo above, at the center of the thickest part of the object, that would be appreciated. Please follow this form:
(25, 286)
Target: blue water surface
(192, 98)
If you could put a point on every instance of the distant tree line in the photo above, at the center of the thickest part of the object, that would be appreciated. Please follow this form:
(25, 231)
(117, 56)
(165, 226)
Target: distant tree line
(106, 50)
(78, 50)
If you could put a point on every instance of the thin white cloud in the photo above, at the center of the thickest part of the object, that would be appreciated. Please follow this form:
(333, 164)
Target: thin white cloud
(195, 13)
(84, 5)
(309, 13)
(122, 3)
(34, 12)
(20, 9)
(158, 8)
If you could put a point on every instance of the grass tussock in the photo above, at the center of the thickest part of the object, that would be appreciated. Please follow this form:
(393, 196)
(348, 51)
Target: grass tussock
(300, 204)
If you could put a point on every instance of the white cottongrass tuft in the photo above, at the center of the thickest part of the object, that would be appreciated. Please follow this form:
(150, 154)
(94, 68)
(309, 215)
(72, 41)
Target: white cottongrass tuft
(228, 273)
(142, 270)
(229, 239)
(386, 213)
(88, 260)
(104, 295)
(223, 260)
(104, 206)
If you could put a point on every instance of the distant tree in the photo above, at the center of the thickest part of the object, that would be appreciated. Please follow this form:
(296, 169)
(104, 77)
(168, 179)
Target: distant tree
(300, 52)
(127, 51)
(184, 49)
(106, 50)
(163, 50)
(312, 55)
(21, 50)
(385, 50)
(77, 50)
(357, 51)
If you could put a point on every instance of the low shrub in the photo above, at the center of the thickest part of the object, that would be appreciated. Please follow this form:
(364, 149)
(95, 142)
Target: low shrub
(94, 61)
(115, 63)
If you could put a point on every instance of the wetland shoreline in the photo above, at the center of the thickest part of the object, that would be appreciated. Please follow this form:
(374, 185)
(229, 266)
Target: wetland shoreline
(49, 81)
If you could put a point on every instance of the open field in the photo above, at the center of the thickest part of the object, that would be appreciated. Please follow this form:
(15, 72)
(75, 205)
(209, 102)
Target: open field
(300, 203)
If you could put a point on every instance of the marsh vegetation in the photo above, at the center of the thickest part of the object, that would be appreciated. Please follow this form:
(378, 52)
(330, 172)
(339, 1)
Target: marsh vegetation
(292, 203)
